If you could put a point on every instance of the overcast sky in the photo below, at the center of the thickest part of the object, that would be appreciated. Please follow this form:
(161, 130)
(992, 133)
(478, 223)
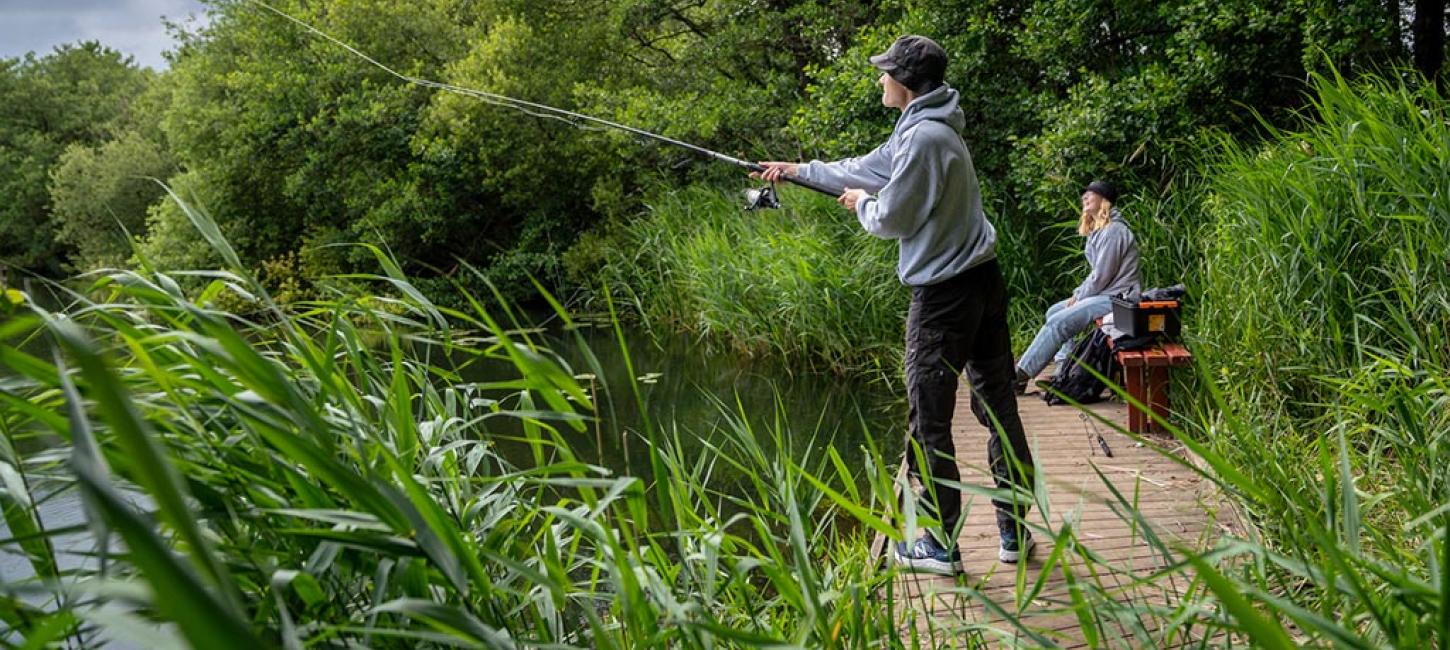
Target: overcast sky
(131, 26)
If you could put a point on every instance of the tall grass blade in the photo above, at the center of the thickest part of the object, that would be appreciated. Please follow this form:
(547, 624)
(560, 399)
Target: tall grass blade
(450, 620)
(1349, 501)
(206, 620)
(151, 469)
(1266, 632)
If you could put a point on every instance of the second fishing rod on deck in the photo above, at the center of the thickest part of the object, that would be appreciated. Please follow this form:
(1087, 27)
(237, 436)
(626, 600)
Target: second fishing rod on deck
(756, 198)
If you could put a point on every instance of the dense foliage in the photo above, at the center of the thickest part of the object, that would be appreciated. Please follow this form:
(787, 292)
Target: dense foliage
(1325, 311)
(56, 107)
(292, 144)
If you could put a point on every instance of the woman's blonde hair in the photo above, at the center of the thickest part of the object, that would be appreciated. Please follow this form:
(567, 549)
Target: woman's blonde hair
(1093, 222)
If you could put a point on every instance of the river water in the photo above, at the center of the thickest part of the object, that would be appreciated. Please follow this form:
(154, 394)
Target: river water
(699, 393)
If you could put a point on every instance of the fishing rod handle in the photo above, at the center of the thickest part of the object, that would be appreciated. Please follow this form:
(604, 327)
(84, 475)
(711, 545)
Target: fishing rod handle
(823, 189)
(795, 180)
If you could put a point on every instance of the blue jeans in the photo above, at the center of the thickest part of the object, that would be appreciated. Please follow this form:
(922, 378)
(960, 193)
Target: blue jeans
(1063, 323)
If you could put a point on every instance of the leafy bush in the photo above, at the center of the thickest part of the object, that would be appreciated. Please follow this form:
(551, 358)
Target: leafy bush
(171, 241)
(100, 196)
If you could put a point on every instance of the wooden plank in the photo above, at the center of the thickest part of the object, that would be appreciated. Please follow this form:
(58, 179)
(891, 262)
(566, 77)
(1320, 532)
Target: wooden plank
(1178, 355)
(1155, 356)
(1169, 496)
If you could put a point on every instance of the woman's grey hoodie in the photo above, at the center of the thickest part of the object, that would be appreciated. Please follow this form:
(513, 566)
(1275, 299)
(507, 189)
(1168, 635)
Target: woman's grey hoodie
(924, 191)
(1112, 254)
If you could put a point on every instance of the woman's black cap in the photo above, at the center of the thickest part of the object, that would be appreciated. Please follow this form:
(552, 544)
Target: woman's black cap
(915, 61)
(1104, 189)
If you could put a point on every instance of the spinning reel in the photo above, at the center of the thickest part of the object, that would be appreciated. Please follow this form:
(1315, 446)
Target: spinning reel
(763, 198)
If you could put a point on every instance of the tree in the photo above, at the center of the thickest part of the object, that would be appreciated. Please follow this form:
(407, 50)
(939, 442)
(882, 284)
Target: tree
(100, 196)
(72, 96)
(308, 144)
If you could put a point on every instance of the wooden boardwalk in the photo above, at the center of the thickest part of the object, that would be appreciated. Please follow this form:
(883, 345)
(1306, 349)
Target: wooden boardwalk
(1110, 555)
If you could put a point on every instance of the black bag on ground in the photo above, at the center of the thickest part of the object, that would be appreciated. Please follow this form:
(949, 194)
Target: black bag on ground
(1074, 381)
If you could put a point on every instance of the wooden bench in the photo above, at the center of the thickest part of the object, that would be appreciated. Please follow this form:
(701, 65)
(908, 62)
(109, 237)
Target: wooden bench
(1145, 375)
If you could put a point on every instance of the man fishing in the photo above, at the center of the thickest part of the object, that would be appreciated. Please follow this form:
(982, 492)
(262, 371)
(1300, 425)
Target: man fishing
(920, 188)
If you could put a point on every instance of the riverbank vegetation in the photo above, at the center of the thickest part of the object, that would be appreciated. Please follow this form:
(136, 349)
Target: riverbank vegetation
(293, 153)
(800, 283)
(320, 473)
(286, 448)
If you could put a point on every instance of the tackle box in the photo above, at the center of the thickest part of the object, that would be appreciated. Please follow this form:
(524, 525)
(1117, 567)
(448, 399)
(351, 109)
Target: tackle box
(1146, 317)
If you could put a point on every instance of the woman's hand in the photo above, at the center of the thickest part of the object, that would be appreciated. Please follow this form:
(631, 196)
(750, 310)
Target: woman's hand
(774, 171)
(851, 197)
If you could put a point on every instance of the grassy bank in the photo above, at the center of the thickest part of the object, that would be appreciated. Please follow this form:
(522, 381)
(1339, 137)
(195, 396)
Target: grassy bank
(1324, 319)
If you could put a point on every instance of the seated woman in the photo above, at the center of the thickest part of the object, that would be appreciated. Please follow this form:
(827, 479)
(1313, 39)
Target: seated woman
(1112, 254)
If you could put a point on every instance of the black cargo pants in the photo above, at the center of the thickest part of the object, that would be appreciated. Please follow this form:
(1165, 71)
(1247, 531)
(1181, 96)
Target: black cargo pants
(956, 326)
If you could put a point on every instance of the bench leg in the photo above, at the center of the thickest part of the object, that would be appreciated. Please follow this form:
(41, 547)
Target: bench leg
(1133, 377)
(1158, 395)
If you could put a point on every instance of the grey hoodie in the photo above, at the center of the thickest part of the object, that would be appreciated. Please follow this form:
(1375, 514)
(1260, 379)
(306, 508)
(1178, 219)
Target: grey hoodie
(1112, 253)
(925, 191)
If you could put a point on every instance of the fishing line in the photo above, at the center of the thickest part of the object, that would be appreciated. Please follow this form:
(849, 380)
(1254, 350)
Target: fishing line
(758, 198)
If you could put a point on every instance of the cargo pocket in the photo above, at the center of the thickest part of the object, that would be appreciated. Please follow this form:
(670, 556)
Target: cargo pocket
(924, 349)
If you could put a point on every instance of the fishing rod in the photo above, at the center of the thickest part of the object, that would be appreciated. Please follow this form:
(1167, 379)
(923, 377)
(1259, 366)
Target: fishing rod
(758, 198)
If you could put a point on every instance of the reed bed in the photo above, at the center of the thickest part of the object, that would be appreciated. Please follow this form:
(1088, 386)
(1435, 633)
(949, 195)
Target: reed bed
(801, 283)
(323, 476)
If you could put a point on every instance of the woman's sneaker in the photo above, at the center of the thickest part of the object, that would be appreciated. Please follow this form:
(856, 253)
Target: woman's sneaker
(1017, 542)
(925, 555)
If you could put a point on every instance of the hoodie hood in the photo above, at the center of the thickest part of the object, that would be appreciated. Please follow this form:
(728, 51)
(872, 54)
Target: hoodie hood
(940, 105)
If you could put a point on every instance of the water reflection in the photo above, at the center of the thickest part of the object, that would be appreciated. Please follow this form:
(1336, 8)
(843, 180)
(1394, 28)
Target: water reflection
(701, 395)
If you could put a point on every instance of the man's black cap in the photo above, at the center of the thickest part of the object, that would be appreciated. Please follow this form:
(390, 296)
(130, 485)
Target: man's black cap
(1104, 189)
(915, 61)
